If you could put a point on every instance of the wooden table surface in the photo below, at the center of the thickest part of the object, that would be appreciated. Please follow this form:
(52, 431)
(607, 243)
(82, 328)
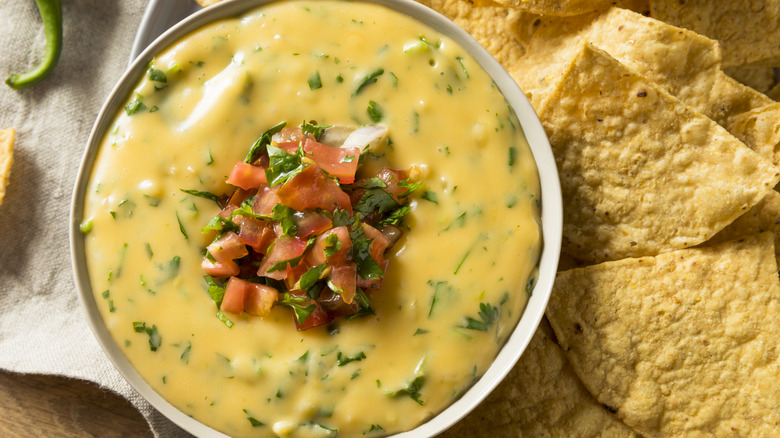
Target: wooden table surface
(52, 407)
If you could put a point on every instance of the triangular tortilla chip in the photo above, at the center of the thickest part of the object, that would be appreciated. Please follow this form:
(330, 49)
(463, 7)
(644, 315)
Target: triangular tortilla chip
(502, 31)
(757, 77)
(642, 173)
(763, 217)
(683, 63)
(6, 158)
(749, 31)
(541, 397)
(560, 8)
(682, 344)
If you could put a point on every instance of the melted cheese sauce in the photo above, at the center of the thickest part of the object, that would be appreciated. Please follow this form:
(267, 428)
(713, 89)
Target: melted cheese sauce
(473, 243)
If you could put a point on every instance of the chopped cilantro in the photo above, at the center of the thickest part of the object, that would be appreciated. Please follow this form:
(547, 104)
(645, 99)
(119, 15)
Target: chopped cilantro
(368, 80)
(296, 303)
(343, 359)
(200, 194)
(282, 165)
(487, 314)
(181, 227)
(157, 75)
(315, 81)
(313, 129)
(135, 106)
(430, 196)
(311, 276)
(367, 267)
(332, 244)
(252, 420)
(259, 146)
(412, 390)
(512, 156)
(285, 216)
(374, 112)
(154, 336)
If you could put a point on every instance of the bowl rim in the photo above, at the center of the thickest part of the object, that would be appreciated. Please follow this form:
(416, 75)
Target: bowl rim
(551, 212)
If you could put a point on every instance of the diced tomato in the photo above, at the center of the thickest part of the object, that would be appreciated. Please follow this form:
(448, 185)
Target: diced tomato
(235, 294)
(379, 243)
(256, 233)
(317, 317)
(312, 189)
(227, 248)
(245, 296)
(265, 200)
(344, 277)
(334, 304)
(283, 248)
(259, 299)
(311, 223)
(227, 211)
(289, 134)
(239, 195)
(247, 176)
(391, 178)
(341, 163)
(217, 269)
(317, 255)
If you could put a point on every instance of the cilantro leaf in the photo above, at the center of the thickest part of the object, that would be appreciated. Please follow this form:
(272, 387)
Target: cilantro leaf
(368, 80)
(343, 359)
(200, 194)
(412, 390)
(313, 129)
(282, 165)
(301, 312)
(155, 340)
(375, 199)
(311, 276)
(259, 146)
(488, 315)
(367, 267)
(332, 244)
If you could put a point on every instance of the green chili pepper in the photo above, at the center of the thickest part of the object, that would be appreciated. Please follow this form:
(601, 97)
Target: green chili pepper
(51, 15)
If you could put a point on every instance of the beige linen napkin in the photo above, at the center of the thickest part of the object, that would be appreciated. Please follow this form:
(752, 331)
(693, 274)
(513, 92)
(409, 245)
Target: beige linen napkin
(43, 328)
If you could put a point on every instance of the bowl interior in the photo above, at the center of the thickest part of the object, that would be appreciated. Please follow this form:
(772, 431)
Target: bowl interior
(551, 212)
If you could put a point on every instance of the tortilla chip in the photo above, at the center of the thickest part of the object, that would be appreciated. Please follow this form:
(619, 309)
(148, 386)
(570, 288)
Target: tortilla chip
(757, 77)
(541, 397)
(205, 3)
(641, 173)
(749, 31)
(503, 32)
(774, 93)
(763, 217)
(6, 158)
(760, 127)
(685, 64)
(559, 8)
(682, 344)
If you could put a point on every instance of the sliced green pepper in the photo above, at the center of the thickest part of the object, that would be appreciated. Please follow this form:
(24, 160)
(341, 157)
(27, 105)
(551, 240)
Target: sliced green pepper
(51, 15)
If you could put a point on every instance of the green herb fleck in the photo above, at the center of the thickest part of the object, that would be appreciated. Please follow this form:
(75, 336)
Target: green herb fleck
(154, 336)
(157, 75)
(487, 314)
(135, 106)
(368, 80)
(374, 111)
(315, 81)
(259, 146)
(86, 226)
(204, 195)
(181, 227)
(430, 196)
(344, 359)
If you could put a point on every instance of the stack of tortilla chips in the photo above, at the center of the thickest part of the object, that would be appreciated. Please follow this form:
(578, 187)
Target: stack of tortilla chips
(665, 316)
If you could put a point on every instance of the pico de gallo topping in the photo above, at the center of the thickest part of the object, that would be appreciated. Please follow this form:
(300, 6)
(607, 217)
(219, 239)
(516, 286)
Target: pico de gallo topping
(307, 225)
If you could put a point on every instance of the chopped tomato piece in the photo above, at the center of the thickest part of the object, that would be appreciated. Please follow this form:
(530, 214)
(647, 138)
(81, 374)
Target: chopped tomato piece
(239, 196)
(235, 294)
(317, 317)
(265, 200)
(344, 279)
(259, 299)
(256, 233)
(325, 244)
(334, 304)
(341, 163)
(312, 189)
(217, 269)
(247, 176)
(283, 249)
(311, 223)
(227, 248)
(379, 243)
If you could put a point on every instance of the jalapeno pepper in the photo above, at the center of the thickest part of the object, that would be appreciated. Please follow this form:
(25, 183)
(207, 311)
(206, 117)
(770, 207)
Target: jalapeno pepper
(51, 15)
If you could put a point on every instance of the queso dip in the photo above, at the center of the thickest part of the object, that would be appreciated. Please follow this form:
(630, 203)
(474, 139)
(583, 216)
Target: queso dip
(456, 283)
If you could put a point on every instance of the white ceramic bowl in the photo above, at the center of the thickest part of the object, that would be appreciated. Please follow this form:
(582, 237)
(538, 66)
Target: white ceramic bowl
(551, 213)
